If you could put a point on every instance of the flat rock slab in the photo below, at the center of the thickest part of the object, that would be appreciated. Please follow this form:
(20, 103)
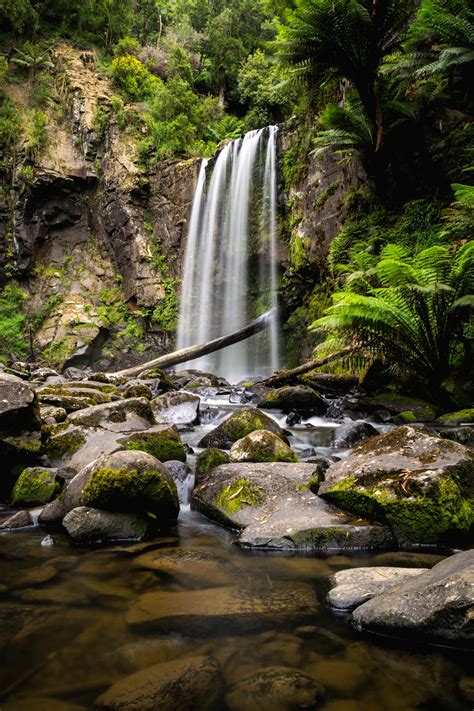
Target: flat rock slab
(178, 685)
(195, 569)
(355, 586)
(436, 606)
(289, 515)
(225, 609)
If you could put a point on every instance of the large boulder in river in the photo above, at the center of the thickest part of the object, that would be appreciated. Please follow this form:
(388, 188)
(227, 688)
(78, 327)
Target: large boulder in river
(419, 484)
(176, 408)
(208, 459)
(126, 481)
(261, 446)
(179, 685)
(161, 441)
(354, 586)
(353, 433)
(273, 506)
(36, 486)
(89, 525)
(239, 425)
(18, 407)
(295, 397)
(436, 606)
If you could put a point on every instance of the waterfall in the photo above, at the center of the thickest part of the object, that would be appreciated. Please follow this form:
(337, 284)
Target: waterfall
(230, 271)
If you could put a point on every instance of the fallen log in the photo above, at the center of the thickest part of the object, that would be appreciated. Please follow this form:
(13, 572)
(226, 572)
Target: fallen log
(285, 376)
(192, 352)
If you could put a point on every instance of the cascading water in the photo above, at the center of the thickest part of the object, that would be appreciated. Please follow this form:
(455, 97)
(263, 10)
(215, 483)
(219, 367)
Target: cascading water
(230, 265)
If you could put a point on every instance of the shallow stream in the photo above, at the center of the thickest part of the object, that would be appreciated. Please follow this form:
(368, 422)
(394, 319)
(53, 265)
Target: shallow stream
(68, 616)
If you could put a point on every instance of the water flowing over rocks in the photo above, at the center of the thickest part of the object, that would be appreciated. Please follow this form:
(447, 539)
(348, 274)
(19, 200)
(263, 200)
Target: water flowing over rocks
(178, 408)
(274, 505)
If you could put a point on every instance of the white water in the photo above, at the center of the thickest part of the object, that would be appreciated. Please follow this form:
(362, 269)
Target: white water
(230, 262)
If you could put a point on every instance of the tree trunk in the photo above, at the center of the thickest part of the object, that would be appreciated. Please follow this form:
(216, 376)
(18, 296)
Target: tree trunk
(192, 352)
(285, 376)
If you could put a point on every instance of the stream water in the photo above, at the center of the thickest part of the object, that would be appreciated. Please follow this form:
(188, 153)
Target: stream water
(66, 632)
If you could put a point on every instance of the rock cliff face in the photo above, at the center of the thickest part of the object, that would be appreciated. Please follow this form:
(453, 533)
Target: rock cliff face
(97, 242)
(88, 237)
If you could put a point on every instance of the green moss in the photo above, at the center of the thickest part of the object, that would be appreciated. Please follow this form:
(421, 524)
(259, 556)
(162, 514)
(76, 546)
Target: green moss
(209, 459)
(240, 493)
(457, 418)
(131, 491)
(405, 418)
(162, 446)
(240, 424)
(266, 448)
(34, 487)
(21, 444)
(65, 443)
(138, 391)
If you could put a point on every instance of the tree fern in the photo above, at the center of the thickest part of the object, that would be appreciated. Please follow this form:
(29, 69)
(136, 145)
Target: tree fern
(414, 320)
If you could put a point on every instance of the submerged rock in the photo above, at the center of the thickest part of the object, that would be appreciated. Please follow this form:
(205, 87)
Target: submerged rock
(274, 507)
(417, 483)
(435, 606)
(224, 610)
(355, 586)
(178, 685)
(239, 425)
(275, 688)
(295, 397)
(87, 525)
(261, 446)
(176, 408)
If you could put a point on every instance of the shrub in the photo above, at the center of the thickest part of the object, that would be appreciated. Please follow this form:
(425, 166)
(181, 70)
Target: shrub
(133, 77)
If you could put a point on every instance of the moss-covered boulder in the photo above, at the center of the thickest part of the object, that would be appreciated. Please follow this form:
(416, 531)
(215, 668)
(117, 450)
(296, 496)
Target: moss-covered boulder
(261, 446)
(50, 414)
(36, 486)
(419, 484)
(210, 458)
(161, 441)
(396, 403)
(133, 414)
(239, 425)
(138, 389)
(295, 397)
(132, 482)
(461, 417)
(162, 381)
(71, 398)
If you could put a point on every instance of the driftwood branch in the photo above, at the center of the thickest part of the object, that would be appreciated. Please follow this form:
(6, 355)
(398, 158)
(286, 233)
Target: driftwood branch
(192, 352)
(285, 376)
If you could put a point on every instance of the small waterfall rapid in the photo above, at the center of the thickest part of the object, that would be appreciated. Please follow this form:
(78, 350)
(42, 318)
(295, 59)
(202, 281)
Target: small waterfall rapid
(230, 271)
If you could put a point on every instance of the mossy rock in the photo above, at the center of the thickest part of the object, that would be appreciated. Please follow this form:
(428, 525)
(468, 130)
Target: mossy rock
(405, 418)
(64, 441)
(261, 446)
(132, 482)
(396, 403)
(461, 417)
(239, 425)
(35, 486)
(240, 493)
(138, 390)
(121, 415)
(298, 397)
(162, 442)
(166, 383)
(421, 485)
(210, 458)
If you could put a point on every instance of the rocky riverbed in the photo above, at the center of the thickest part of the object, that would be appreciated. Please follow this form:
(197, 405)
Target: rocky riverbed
(236, 542)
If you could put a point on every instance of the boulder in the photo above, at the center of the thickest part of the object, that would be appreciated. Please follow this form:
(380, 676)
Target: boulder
(273, 506)
(71, 399)
(352, 434)
(208, 459)
(294, 397)
(36, 486)
(178, 685)
(418, 483)
(354, 586)
(132, 482)
(50, 414)
(239, 425)
(461, 417)
(176, 408)
(18, 405)
(224, 610)
(161, 441)
(276, 688)
(261, 446)
(76, 446)
(129, 415)
(138, 389)
(435, 606)
(20, 519)
(395, 403)
(88, 525)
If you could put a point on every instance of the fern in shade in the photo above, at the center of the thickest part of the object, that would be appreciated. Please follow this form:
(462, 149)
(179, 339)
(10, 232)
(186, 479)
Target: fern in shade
(416, 320)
